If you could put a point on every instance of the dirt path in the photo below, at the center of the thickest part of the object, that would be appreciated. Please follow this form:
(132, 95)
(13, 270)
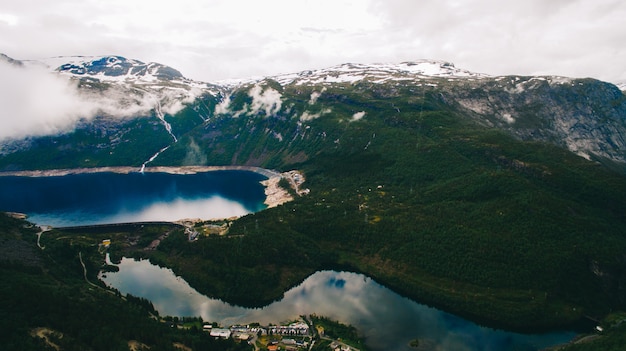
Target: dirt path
(43, 229)
(44, 334)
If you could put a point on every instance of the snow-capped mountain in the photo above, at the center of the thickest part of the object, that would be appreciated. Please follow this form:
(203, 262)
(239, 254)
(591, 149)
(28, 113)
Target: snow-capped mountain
(378, 73)
(130, 85)
(375, 72)
(115, 69)
(585, 116)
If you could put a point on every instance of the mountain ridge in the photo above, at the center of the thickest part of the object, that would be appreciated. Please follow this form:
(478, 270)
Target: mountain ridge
(585, 116)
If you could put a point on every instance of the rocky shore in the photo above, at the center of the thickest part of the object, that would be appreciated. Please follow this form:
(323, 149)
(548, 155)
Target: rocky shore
(274, 194)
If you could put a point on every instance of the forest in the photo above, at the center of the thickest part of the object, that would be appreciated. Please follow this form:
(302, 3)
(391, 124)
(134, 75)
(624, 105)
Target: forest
(514, 234)
(48, 305)
(519, 234)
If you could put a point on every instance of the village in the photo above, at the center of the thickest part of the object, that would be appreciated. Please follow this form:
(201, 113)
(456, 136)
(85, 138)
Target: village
(299, 335)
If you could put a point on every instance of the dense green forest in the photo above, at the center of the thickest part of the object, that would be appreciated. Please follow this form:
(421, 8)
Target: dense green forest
(437, 207)
(45, 296)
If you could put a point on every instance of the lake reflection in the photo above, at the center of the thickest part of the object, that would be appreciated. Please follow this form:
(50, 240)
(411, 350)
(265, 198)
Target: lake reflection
(104, 198)
(388, 320)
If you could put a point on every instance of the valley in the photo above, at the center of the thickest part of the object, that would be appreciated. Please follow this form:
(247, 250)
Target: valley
(499, 199)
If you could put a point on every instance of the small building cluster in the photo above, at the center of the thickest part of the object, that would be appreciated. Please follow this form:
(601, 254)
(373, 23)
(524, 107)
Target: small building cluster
(337, 346)
(298, 328)
(292, 337)
(221, 333)
(239, 332)
(296, 179)
(191, 233)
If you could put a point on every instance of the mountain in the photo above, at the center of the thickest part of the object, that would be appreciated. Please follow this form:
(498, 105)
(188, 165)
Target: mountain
(585, 116)
(129, 104)
(500, 198)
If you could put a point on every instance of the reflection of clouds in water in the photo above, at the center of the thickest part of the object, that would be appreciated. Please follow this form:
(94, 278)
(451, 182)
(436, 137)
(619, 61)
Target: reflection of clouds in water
(213, 207)
(387, 320)
(208, 208)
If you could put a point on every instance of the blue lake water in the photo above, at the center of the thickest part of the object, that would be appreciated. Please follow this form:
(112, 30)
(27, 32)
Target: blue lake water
(104, 198)
(387, 320)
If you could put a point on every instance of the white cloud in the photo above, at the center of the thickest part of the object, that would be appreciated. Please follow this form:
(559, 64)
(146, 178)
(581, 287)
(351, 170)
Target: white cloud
(223, 107)
(35, 102)
(224, 39)
(8, 19)
(316, 95)
(211, 208)
(357, 116)
(307, 116)
(268, 100)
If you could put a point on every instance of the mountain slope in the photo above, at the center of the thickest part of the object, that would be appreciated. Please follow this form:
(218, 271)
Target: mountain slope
(410, 188)
(133, 110)
(482, 195)
(584, 116)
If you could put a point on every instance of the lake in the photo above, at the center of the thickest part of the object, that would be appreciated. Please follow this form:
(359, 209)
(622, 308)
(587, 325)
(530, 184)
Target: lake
(388, 320)
(106, 197)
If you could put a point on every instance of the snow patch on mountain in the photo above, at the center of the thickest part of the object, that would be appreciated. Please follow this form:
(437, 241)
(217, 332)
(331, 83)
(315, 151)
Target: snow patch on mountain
(356, 72)
(117, 73)
(377, 73)
(112, 68)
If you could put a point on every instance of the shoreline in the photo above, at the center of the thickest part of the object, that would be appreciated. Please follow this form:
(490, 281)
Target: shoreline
(275, 195)
(127, 170)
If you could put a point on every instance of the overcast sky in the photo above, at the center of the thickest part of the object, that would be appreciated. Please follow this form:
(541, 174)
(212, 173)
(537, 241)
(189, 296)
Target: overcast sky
(210, 40)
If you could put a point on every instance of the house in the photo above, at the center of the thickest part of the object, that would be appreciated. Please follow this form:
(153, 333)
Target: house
(289, 341)
(220, 333)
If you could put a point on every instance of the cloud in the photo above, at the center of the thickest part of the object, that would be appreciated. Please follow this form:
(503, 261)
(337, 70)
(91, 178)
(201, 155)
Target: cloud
(223, 107)
(357, 116)
(35, 102)
(316, 95)
(572, 38)
(210, 208)
(268, 100)
(221, 39)
(307, 116)
(195, 156)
